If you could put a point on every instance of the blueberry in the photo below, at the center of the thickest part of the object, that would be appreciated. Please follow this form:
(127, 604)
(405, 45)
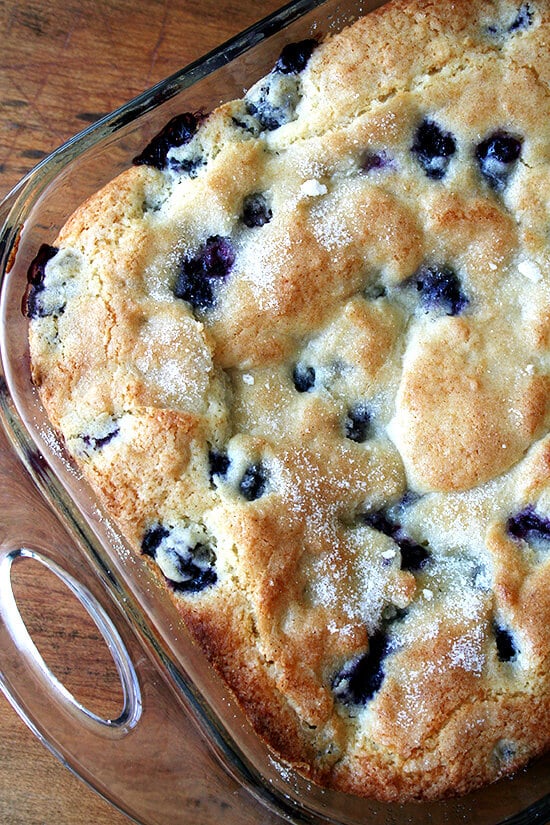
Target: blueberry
(295, 57)
(246, 124)
(36, 270)
(98, 441)
(187, 567)
(362, 677)
(303, 377)
(529, 525)
(196, 570)
(194, 288)
(496, 157)
(433, 149)
(523, 19)
(188, 166)
(440, 289)
(177, 132)
(254, 482)
(375, 160)
(33, 307)
(201, 274)
(506, 649)
(152, 539)
(219, 464)
(409, 498)
(378, 520)
(269, 117)
(357, 423)
(414, 556)
(256, 210)
(32, 304)
(274, 102)
(501, 146)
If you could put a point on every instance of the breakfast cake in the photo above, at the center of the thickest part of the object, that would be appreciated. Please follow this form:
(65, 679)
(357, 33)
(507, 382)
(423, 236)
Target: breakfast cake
(300, 350)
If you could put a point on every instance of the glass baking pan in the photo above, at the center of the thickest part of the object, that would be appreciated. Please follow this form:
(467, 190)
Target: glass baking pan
(179, 727)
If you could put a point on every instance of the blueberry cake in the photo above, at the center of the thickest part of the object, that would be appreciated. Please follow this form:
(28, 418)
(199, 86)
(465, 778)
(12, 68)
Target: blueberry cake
(301, 350)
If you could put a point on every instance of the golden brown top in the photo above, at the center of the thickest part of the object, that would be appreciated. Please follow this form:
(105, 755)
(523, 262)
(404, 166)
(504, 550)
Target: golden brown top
(305, 363)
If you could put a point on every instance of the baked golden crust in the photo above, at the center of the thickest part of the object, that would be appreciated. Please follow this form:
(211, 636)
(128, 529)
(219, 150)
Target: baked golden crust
(304, 362)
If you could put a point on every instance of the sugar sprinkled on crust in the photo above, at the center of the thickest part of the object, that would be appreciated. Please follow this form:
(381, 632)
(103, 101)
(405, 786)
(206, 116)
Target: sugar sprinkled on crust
(304, 362)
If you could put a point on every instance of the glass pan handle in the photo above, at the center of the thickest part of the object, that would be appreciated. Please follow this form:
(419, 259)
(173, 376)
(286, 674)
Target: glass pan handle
(34, 676)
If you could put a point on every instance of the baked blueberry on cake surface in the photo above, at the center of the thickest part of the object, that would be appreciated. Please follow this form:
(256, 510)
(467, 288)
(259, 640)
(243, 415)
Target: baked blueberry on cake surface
(301, 351)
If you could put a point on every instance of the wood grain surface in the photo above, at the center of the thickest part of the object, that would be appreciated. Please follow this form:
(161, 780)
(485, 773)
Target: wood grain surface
(63, 64)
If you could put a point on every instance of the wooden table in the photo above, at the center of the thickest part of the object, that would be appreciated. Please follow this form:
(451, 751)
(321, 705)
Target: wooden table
(63, 64)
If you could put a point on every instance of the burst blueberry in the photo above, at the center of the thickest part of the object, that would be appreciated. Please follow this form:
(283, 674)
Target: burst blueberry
(247, 125)
(414, 556)
(529, 525)
(256, 210)
(219, 464)
(523, 19)
(177, 132)
(202, 273)
(196, 569)
(97, 442)
(375, 160)
(303, 377)
(254, 482)
(408, 498)
(275, 101)
(440, 290)
(506, 648)
(521, 22)
(268, 115)
(32, 305)
(357, 424)
(152, 539)
(433, 149)
(497, 156)
(378, 520)
(187, 166)
(36, 270)
(188, 568)
(295, 56)
(362, 677)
